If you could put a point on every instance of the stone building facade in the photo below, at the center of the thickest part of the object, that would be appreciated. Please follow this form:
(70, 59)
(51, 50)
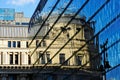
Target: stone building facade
(20, 61)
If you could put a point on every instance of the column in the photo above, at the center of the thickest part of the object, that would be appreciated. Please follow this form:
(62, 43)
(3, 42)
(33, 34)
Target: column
(19, 58)
(13, 57)
(45, 57)
(1, 57)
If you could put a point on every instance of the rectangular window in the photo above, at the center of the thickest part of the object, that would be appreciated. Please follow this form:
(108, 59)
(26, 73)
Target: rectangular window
(42, 58)
(17, 23)
(61, 58)
(14, 43)
(9, 43)
(48, 58)
(79, 59)
(25, 23)
(16, 58)
(87, 34)
(11, 58)
(18, 44)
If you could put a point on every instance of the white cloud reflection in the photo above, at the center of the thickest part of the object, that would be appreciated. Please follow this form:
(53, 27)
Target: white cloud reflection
(21, 2)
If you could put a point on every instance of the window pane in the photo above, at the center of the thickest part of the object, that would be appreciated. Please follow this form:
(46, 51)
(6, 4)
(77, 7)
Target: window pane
(18, 44)
(14, 44)
(9, 43)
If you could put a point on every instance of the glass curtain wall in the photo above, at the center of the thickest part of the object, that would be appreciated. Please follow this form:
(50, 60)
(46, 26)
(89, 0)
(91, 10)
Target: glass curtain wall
(112, 32)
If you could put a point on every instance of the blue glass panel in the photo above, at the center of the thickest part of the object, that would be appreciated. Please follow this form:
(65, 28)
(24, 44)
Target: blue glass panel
(112, 33)
(7, 14)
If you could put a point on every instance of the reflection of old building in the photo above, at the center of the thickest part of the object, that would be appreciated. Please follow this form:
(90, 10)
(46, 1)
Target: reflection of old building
(83, 32)
(16, 59)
